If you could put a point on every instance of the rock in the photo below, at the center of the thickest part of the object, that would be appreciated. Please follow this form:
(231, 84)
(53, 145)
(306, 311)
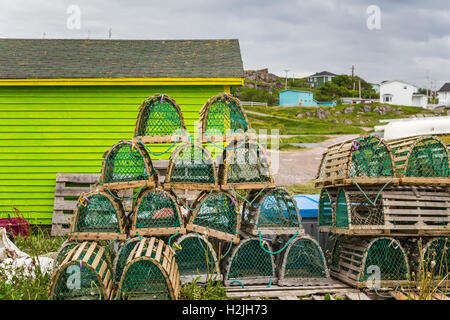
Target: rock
(308, 114)
(349, 110)
(338, 113)
(347, 121)
(300, 115)
(322, 113)
(334, 121)
(367, 108)
(382, 109)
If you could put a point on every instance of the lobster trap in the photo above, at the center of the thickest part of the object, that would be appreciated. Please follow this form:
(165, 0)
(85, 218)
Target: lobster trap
(271, 212)
(327, 201)
(370, 262)
(127, 165)
(160, 120)
(156, 212)
(223, 116)
(422, 160)
(150, 273)
(250, 263)
(63, 250)
(191, 167)
(366, 160)
(216, 214)
(245, 165)
(84, 274)
(302, 262)
(436, 261)
(98, 216)
(121, 258)
(196, 259)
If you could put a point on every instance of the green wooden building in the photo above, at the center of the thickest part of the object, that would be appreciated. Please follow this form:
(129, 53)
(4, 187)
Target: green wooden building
(64, 102)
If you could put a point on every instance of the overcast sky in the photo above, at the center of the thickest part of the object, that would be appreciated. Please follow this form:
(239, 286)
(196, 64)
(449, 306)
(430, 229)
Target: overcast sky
(304, 36)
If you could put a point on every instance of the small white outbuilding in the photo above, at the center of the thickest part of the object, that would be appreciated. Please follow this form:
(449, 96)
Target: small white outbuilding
(401, 93)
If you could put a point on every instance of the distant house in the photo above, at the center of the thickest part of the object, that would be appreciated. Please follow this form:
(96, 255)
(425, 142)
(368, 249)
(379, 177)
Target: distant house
(401, 93)
(351, 100)
(444, 95)
(298, 98)
(319, 78)
(375, 87)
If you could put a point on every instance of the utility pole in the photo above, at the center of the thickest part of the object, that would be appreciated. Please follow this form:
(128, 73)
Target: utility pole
(109, 33)
(359, 89)
(285, 82)
(353, 77)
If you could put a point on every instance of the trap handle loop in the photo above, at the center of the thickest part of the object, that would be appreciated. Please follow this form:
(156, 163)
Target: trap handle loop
(276, 252)
(229, 249)
(378, 194)
(237, 281)
(159, 154)
(129, 198)
(170, 239)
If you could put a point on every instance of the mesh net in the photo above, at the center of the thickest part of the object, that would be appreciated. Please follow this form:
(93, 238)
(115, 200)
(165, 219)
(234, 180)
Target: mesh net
(305, 260)
(370, 158)
(192, 164)
(428, 158)
(156, 209)
(125, 163)
(362, 211)
(389, 257)
(160, 116)
(122, 256)
(218, 211)
(341, 210)
(250, 261)
(335, 254)
(325, 209)
(63, 250)
(437, 254)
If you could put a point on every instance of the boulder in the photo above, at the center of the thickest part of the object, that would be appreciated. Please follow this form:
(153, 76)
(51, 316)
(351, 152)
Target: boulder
(322, 113)
(367, 108)
(349, 110)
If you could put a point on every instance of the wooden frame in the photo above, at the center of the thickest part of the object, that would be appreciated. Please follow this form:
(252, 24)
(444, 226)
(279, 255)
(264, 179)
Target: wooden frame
(284, 281)
(157, 231)
(219, 138)
(117, 276)
(152, 181)
(104, 276)
(224, 167)
(168, 184)
(121, 218)
(158, 139)
(162, 256)
(332, 195)
(60, 255)
(209, 232)
(203, 277)
(249, 280)
(253, 212)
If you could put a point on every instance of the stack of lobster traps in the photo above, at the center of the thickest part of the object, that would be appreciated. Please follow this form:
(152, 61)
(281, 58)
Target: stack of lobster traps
(240, 229)
(385, 206)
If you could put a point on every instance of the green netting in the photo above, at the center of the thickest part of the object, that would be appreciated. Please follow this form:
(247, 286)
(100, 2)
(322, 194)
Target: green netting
(63, 250)
(99, 214)
(195, 258)
(362, 211)
(370, 157)
(217, 211)
(336, 255)
(156, 209)
(428, 158)
(224, 114)
(341, 210)
(191, 164)
(160, 116)
(245, 163)
(325, 209)
(305, 260)
(251, 261)
(125, 162)
(389, 256)
(437, 258)
(122, 256)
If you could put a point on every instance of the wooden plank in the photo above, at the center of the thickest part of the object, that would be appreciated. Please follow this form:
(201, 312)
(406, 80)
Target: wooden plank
(316, 297)
(283, 297)
(357, 296)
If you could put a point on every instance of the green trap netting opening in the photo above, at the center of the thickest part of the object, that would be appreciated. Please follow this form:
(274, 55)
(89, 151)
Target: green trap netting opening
(160, 116)
(191, 164)
(370, 157)
(428, 158)
(341, 210)
(217, 210)
(125, 162)
(437, 254)
(251, 261)
(336, 254)
(388, 255)
(305, 259)
(156, 209)
(122, 256)
(363, 212)
(325, 209)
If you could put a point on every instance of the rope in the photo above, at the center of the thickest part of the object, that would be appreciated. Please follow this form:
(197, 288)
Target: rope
(237, 281)
(159, 154)
(129, 198)
(170, 239)
(380, 295)
(249, 202)
(379, 192)
(185, 204)
(285, 246)
(270, 283)
(229, 248)
(240, 146)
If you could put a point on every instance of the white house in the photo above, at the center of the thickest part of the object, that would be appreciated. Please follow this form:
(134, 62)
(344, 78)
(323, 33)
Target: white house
(401, 93)
(444, 95)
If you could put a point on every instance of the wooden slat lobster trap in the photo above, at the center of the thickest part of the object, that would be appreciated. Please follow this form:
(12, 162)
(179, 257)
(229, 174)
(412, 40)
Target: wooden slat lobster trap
(423, 159)
(216, 214)
(302, 262)
(84, 274)
(399, 210)
(271, 211)
(223, 116)
(196, 259)
(370, 262)
(160, 120)
(191, 167)
(327, 202)
(156, 212)
(98, 216)
(127, 165)
(150, 273)
(366, 160)
(245, 165)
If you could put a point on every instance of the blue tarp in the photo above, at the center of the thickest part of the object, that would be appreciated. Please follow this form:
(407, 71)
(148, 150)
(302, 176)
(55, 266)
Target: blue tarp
(308, 205)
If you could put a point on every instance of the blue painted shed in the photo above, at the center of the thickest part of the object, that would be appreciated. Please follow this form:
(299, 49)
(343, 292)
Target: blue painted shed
(298, 98)
(308, 205)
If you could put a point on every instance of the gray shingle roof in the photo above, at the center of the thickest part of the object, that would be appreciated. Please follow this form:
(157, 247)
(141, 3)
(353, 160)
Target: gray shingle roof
(323, 73)
(445, 88)
(76, 58)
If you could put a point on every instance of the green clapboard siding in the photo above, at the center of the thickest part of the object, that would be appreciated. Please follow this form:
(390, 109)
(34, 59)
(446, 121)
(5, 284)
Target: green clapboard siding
(46, 130)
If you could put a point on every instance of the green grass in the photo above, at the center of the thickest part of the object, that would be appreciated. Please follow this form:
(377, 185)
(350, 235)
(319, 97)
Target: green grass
(210, 291)
(304, 139)
(304, 188)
